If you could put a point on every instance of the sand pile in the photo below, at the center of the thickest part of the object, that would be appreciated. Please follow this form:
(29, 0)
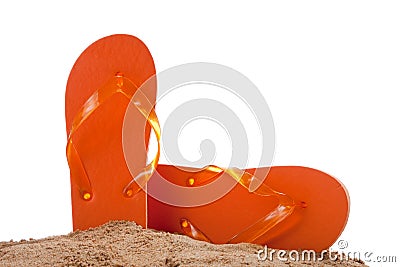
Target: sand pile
(127, 244)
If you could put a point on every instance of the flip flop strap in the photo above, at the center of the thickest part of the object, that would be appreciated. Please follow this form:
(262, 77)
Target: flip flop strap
(124, 86)
(117, 85)
(285, 207)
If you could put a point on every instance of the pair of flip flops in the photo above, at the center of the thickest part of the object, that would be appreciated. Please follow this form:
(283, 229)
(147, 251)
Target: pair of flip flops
(293, 208)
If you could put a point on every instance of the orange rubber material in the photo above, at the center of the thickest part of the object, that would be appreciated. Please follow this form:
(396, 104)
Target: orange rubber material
(97, 143)
(100, 176)
(319, 217)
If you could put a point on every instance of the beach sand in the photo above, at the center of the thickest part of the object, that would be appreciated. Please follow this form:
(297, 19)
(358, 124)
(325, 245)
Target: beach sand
(127, 244)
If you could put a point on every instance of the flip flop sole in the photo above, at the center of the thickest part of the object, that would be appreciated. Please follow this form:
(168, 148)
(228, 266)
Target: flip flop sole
(314, 225)
(98, 140)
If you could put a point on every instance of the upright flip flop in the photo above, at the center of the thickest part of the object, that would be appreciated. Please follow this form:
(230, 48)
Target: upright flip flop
(99, 88)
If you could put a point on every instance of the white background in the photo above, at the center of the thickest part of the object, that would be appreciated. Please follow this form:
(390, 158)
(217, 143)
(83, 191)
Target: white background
(330, 72)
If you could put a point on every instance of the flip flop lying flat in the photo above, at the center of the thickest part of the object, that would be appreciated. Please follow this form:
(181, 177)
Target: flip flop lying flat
(320, 212)
(95, 106)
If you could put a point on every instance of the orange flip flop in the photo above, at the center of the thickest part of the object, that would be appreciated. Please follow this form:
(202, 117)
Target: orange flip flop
(319, 212)
(99, 88)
